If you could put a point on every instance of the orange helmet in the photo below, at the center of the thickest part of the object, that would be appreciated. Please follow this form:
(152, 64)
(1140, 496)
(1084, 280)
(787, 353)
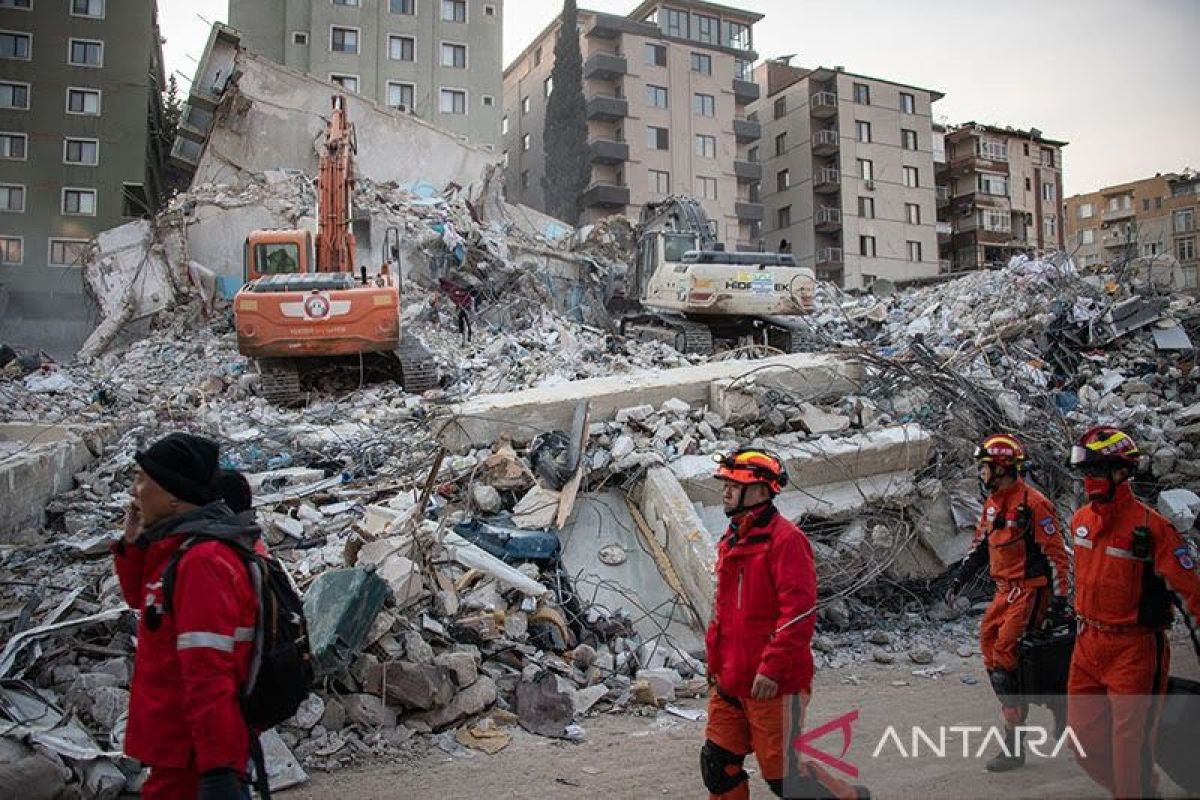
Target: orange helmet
(749, 465)
(1003, 450)
(1105, 447)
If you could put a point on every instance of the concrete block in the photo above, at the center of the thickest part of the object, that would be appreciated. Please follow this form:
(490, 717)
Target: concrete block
(678, 528)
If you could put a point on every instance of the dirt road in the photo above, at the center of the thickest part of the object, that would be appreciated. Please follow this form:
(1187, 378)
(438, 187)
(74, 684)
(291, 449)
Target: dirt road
(636, 758)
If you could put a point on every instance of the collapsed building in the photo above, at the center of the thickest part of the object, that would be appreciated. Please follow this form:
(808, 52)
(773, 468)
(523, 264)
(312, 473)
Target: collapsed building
(532, 541)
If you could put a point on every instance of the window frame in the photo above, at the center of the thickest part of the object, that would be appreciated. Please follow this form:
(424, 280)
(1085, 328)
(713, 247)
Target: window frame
(866, 169)
(861, 126)
(27, 7)
(83, 190)
(654, 175)
(85, 90)
(703, 181)
(297, 35)
(526, 142)
(51, 241)
(866, 94)
(29, 47)
(700, 101)
(864, 203)
(915, 172)
(334, 78)
(101, 15)
(333, 29)
(702, 140)
(456, 4)
(443, 44)
(72, 41)
(452, 90)
(910, 217)
(865, 239)
(16, 136)
(912, 103)
(5, 239)
(653, 93)
(402, 38)
(906, 135)
(661, 136)
(701, 58)
(780, 144)
(909, 246)
(28, 87)
(24, 198)
(413, 13)
(68, 140)
(783, 217)
(783, 180)
(412, 87)
(650, 54)
(526, 105)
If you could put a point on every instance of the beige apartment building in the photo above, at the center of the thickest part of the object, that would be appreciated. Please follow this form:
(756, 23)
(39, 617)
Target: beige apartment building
(81, 151)
(439, 59)
(1000, 190)
(848, 175)
(1142, 218)
(667, 89)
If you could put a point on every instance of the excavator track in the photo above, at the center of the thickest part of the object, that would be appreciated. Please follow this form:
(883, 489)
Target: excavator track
(280, 381)
(418, 369)
(684, 335)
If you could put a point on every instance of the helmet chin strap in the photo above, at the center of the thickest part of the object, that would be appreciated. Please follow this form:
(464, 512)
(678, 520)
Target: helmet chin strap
(741, 507)
(994, 478)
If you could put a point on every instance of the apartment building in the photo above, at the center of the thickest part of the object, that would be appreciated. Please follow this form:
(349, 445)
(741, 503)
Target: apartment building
(80, 114)
(1146, 217)
(438, 59)
(667, 90)
(1000, 190)
(848, 178)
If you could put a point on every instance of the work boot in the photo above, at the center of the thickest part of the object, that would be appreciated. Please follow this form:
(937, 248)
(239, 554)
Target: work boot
(1004, 763)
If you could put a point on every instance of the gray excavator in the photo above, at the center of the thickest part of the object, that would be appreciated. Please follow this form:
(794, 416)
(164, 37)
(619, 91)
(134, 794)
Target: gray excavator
(692, 293)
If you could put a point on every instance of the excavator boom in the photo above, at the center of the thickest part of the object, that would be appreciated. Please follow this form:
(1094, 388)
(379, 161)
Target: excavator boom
(335, 186)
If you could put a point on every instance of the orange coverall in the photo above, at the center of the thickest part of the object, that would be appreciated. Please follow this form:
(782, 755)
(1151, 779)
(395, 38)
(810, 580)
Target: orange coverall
(1128, 561)
(1025, 576)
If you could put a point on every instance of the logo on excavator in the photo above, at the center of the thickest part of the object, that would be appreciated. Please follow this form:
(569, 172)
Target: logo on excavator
(316, 307)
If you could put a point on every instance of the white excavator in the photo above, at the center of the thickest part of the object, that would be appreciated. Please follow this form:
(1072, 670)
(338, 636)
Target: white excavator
(692, 293)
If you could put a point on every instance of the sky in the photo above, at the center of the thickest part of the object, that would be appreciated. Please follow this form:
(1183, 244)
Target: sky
(1114, 78)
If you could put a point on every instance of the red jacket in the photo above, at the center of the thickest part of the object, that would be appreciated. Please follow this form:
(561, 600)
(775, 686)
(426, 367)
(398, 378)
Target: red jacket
(766, 585)
(1001, 542)
(190, 663)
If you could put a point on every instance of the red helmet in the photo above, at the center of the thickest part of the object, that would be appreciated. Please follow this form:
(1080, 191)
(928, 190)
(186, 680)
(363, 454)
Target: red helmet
(1002, 450)
(749, 466)
(1105, 447)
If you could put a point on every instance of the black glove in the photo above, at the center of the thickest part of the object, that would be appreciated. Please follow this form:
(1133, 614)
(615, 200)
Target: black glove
(221, 784)
(1059, 612)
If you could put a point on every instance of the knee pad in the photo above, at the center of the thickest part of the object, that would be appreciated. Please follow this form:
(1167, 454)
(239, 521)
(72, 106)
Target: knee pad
(776, 786)
(1004, 684)
(714, 761)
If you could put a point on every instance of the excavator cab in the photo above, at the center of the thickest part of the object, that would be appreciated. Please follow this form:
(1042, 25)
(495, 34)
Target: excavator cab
(276, 253)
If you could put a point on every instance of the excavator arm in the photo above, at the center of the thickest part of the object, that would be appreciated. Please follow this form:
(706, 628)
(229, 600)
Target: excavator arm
(678, 214)
(335, 184)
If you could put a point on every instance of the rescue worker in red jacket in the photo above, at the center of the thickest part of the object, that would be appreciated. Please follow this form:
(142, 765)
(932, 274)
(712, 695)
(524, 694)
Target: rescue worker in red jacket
(1018, 538)
(759, 640)
(194, 648)
(1129, 560)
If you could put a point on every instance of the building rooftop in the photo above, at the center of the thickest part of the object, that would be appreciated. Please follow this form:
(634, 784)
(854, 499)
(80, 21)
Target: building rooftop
(741, 14)
(1032, 134)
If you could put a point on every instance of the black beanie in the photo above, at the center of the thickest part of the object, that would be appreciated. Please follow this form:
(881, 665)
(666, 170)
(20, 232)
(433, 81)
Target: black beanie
(184, 465)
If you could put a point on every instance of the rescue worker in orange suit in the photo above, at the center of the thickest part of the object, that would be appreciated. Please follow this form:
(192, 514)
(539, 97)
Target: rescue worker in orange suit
(194, 648)
(1018, 538)
(759, 640)
(1129, 560)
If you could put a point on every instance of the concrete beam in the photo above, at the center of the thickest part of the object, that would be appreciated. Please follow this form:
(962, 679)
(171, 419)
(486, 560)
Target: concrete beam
(681, 533)
(523, 415)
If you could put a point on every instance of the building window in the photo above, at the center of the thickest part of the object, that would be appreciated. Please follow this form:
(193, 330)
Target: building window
(12, 198)
(402, 6)
(1120, 202)
(743, 70)
(1028, 185)
(347, 82)
(707, 188)
(455, 56)
(402, 48)
(863, 131)
(862, 94)
(780, 107)
(13, 146)
(1184, 220)
(752, 154)
(912, 177)
(343, 40)
(866, 246)
(676, 23)
(79, 202)
(1087, 236)
(912, 211)
(83, 101)
(866, 207)
(81, 151)
(658, 138)
(1047, 157)
(908, 103)
(346, 3)
(1086, 211)
(15, 45)
(660, 181)
(12, 250)
(454, 10)
(1185, 249)
(525, 179)
(914, 251)
(537, 57)
(707, 29)
(489, 11)
(504, 125)
(452, 101)
(995, 221)
(706, 145)
(737, 36)
(656, 96)
(299, 38)
(783, 217)
(14, 95)
(1145, 204)
(866, 169)
(656, 55)
(19, 5)
(702, 63)
(526, 142)
(401, 95)
(908, 139)
(1048, 194)
(781, 144)
(783, 179)
(86, 53)
(504, 159)
(1050, 226)
(705, 105)
(87, 8)
(991, 149)
(525, 105)
(68, 252)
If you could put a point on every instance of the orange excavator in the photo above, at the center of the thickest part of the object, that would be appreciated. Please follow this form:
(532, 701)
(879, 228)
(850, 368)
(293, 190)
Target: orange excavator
(297, 315)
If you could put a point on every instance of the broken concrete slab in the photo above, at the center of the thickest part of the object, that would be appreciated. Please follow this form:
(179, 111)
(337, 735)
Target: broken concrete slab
(340, 607)
(480, 421)
(470, 701)
(1180, 506)
(546, 704)
(537, 509)
(413, 686)
(369, 711)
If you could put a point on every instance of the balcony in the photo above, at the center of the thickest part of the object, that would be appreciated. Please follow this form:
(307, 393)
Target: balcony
(828, 219)
(605, 195)
(827, 180)
(747, 171)
(944, 231)
(751, 212)
(605, 108)
(825, 142)
(985, 236)
(1114, 214)
(823, 104)
(829, 257)
(605, 67)
(747, 130)
(943, 196)
(608, 151)
(745, 92)
(1120, 239)
(974, 163)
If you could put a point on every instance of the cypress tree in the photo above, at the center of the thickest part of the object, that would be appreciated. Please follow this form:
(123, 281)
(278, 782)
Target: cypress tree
(568, 167)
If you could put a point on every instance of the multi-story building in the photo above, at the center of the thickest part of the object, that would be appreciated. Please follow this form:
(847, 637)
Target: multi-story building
(1141, 218)
(667, 90)
(1000, 189)
(848, 177)
(438, 59)
(81, 150)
